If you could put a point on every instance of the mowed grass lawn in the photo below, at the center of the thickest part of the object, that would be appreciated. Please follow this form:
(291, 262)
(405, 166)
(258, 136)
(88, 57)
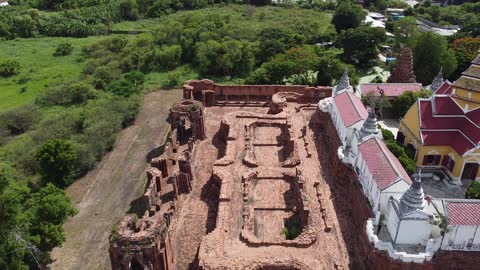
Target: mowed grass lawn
(39, 68)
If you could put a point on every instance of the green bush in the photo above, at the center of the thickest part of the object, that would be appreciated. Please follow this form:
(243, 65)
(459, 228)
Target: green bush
(129, 10)
(293, 228)
(9, 68)
(63, 49)
(387, 135)
(56, 159)
(66, 94)
(408, 164)
(473, 191)
(19, 120)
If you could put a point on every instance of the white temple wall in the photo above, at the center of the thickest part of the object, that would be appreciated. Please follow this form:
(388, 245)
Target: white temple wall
(337, 121)
(414, 231)
(392, 221)
(462, 237)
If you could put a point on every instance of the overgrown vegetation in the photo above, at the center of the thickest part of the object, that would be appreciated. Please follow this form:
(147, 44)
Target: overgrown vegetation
(473, 191)
(292, 228)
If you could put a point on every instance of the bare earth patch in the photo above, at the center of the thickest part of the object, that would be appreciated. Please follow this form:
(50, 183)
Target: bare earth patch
(104, 195)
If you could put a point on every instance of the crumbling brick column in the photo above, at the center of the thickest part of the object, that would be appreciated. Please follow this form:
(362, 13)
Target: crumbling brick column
(198, 124)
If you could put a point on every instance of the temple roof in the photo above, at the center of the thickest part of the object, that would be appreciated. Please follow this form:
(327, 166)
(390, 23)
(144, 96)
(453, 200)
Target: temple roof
(443, 122)
(382, 164)
(350, 107)
(463, 212)
(389, 89)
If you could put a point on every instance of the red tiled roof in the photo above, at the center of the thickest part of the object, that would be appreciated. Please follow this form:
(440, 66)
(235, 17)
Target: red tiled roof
(453, 138)
(449, 125)
(351, 108)
(446, 88)
(463, 213)
(382, 164)
(474, 115)
(390, 89)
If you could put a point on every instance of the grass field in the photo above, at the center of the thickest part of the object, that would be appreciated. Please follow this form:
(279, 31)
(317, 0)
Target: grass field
(39, 68)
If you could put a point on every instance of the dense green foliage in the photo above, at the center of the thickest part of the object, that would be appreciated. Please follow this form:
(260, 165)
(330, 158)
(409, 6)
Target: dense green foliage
(360, 44)
(401, 153)
(431, 53)
(56, 159)
(347, 15)
(473, 191)
(403, 102)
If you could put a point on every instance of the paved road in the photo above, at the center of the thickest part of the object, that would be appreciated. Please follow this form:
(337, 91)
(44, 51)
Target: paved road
(104, 195)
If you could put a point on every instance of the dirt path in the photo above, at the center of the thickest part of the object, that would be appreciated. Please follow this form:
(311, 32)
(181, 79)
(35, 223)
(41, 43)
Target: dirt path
(104, 195)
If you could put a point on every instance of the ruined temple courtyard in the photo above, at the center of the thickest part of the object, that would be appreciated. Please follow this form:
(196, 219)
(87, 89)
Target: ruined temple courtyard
(254, 177)
(267, 172)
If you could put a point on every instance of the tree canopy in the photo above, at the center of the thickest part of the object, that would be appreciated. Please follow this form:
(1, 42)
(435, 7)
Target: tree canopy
(57, 158)
(431, 53)
(348, 15)
(360, 44)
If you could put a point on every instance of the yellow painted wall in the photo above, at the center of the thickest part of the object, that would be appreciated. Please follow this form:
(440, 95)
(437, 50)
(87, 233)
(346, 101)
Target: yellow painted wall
(441, 150)
(463, 94)
(410, 120)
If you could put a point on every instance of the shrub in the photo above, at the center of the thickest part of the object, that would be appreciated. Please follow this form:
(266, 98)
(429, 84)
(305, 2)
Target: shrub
(66, 94)
(122, 88)
(129, 10)
(19, 120)
(56, 158)
(63, 49)
(9, 68)
(473, 191)
(408, 164)
(387, 135)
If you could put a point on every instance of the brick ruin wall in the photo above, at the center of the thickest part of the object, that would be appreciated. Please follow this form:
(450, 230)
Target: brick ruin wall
(197, 89)
(350, 201)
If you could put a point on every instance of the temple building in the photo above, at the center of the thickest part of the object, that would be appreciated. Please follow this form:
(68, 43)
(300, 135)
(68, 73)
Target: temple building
(444, 130)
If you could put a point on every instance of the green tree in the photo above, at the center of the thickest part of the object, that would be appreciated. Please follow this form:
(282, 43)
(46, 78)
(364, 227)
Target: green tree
(403, 102)
(24, 26)
(431, 53)
(19, 120)
(129, 10)
(348, 15)
(360, 44)
(473, 191)
(48, 210)
(57, 158)
(330, 68)
(13, 222)
(406, 32)
(276, 40)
